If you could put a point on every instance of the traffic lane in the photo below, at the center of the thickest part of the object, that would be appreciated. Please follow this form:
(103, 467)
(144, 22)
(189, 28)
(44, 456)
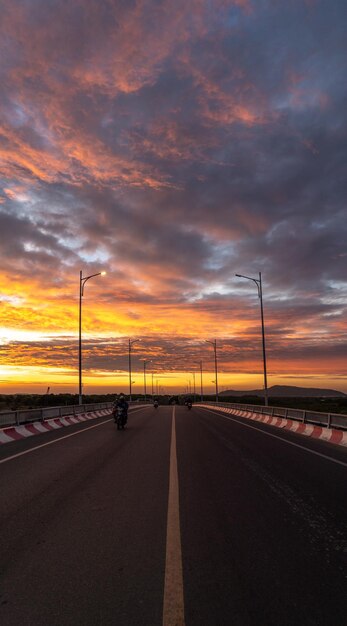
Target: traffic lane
(14, 447)
(316, 485)
(308, 465)
(249, 556)
(318, 445)
(66, 459)
(91, 548)
(45, 472)
(49, 459)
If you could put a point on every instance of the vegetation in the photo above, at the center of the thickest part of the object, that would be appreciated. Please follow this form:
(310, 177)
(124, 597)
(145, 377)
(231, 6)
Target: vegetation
(14, 402)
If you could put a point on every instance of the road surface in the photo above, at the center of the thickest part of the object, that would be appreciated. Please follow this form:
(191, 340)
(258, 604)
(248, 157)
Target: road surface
(187, 517)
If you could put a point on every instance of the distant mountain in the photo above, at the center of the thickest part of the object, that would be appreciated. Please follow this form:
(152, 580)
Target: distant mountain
(284, 391)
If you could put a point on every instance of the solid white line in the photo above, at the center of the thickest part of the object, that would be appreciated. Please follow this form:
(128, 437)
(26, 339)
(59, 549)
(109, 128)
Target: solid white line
(173, 606)
(49, 443)
(291, 443)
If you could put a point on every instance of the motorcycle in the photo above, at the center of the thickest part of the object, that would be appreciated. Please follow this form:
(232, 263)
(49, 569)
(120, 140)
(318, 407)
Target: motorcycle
(189, 405)
(156, 404)
(120, 418)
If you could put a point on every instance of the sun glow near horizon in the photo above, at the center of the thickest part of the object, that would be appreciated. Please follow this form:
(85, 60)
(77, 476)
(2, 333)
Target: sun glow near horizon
(174, 337)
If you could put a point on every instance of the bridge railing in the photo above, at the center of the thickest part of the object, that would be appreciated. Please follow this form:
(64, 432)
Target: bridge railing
(25, 416)
(329, 420)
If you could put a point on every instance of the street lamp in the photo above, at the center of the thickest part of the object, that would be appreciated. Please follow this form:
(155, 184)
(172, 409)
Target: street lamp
(144, 377)
(257, 281)
(214, 344)
(194, 386)
(157, 378)
(83, 280)
(131, 342)
(153, 365)
(201, 392)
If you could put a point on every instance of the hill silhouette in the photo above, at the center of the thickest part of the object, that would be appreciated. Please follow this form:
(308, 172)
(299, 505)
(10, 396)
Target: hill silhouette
(287, 391)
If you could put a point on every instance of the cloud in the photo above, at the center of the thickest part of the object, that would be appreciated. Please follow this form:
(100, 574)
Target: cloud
(175, 144)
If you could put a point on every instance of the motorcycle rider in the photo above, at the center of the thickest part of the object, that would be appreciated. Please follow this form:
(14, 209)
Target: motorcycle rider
(122, 404)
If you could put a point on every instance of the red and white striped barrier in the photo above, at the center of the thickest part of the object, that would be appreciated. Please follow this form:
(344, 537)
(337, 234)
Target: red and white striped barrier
(332, 435)
(13, 433)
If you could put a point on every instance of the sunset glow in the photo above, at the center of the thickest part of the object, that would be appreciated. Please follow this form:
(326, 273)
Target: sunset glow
(172, 145)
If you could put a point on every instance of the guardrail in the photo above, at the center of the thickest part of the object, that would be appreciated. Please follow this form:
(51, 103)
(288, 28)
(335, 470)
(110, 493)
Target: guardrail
(329, 420)
(25, 416)
(22, 416)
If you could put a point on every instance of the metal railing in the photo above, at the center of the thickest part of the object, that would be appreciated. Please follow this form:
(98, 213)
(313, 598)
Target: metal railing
(25, 416)
(329, 420)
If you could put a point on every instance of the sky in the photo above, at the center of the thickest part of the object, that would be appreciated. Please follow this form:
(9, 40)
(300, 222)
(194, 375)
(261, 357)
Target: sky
(172, 145)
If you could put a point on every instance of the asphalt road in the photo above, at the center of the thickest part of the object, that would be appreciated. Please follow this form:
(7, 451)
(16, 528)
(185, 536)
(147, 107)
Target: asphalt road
(261, 518)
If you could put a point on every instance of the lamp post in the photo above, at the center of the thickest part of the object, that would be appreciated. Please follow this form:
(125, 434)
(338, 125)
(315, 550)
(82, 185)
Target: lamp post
(83, 280)
(131, 342)
(201, 391)
(144, 377)
(152, 373)
(194, 386)
(157, 378)
(257, 281)
(214, 344)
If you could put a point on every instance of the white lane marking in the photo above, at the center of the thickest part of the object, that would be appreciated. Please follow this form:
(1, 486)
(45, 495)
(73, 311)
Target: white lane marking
(49, 443)
(291, 443)
(173, 606)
